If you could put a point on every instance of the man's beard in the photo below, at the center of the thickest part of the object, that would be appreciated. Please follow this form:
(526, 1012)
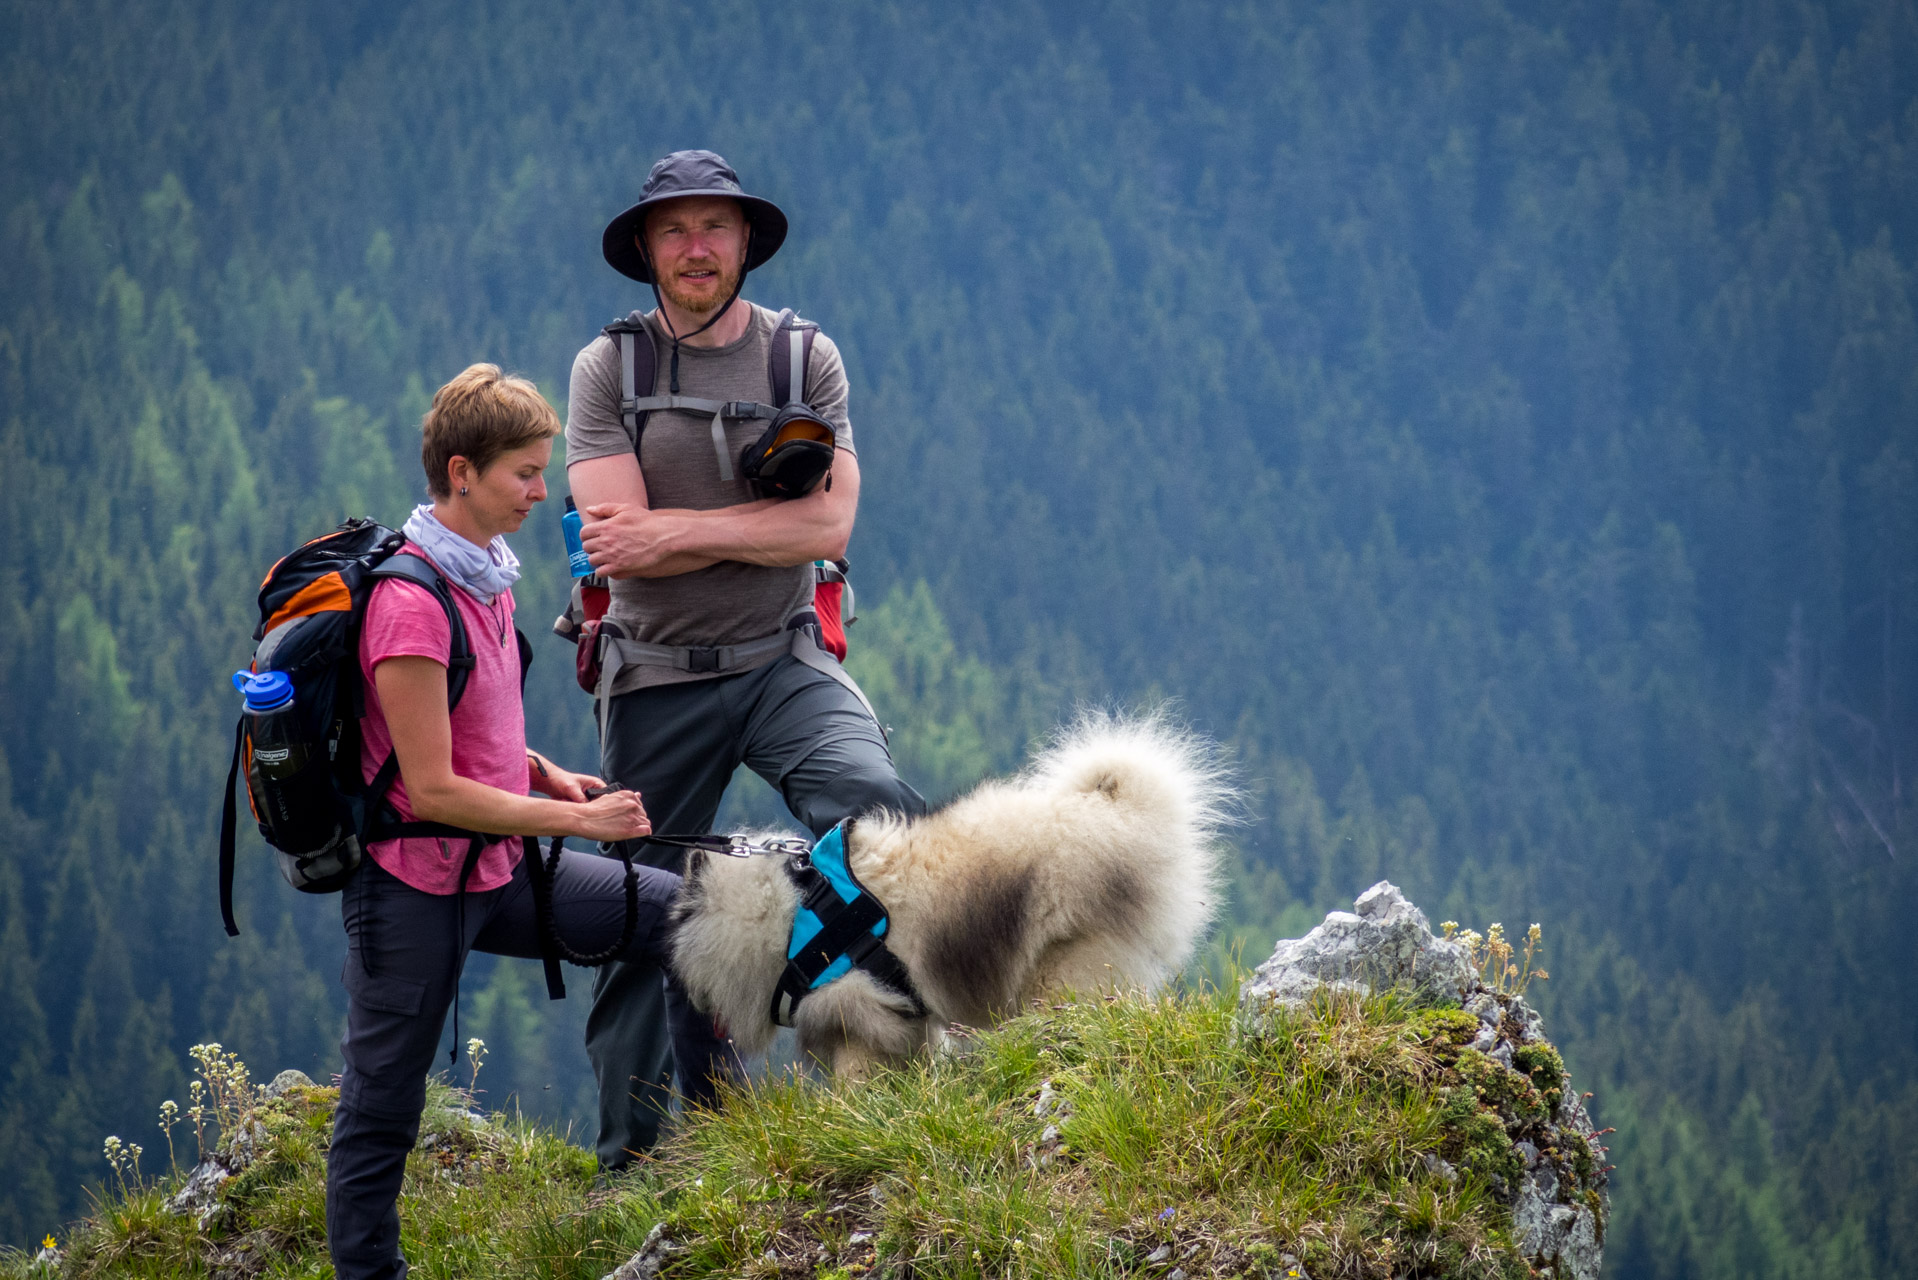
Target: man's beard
(701, 306)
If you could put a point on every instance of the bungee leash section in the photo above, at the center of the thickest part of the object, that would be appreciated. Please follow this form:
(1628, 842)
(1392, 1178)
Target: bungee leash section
(546, 872)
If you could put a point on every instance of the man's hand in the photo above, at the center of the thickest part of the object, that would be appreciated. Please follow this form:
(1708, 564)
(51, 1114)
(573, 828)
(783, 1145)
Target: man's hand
(625, 537)
(626, 540)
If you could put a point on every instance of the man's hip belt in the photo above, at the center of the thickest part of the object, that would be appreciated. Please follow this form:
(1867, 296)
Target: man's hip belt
(705, 659)
(800, 638)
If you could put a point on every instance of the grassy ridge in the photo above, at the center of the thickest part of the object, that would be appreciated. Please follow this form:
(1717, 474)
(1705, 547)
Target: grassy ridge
(1106, 1138)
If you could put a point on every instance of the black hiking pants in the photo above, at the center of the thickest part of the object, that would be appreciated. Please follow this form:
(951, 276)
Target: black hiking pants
(678, 745)
(403, 958)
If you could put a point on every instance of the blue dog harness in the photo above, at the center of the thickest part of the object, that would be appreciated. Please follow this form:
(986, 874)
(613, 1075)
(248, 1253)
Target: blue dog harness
(839, 926)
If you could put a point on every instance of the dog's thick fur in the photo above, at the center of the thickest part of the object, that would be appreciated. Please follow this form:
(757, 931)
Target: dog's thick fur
(1095, 868)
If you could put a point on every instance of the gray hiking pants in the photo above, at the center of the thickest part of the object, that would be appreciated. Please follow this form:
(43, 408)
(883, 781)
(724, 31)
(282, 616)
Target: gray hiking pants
(404, 952)
(678, 745)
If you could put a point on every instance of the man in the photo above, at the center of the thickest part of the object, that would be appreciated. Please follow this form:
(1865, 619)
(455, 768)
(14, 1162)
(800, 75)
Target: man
(701, 567)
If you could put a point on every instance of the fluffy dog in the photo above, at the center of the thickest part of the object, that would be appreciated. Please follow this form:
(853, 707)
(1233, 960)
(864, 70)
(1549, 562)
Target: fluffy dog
(1096, 868)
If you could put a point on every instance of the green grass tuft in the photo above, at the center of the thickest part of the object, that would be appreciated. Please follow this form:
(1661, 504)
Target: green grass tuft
(1171, 1136)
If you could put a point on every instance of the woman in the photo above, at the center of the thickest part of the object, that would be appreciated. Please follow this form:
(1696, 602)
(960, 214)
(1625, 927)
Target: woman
(486, 442)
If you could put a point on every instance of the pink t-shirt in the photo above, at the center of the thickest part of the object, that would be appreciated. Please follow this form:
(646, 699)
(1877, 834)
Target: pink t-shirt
(489, 724)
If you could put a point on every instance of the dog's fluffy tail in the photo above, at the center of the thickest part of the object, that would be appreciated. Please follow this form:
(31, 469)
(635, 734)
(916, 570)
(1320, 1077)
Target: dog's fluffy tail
(1167, 776)
(1139, 851)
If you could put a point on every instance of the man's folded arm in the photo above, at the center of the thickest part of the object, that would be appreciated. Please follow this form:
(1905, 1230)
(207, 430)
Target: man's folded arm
(626, 539)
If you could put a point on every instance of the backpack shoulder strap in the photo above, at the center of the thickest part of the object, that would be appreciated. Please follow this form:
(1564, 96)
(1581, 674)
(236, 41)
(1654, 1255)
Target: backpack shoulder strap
(638, 367)
(791, 348)
(460, 658)
(381, 822)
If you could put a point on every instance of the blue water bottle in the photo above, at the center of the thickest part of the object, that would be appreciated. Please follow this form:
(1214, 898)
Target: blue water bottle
(569, 525)
(286, 773)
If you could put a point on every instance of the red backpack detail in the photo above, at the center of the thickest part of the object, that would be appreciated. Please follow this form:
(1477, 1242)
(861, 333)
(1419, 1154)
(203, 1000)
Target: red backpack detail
(832, 601)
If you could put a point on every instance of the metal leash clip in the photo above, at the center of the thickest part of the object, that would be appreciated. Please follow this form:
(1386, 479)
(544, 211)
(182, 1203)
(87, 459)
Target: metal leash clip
(785, 846)
(733, 846)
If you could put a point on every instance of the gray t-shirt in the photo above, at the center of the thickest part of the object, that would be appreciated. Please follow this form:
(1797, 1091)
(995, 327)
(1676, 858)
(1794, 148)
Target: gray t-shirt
(731, 601)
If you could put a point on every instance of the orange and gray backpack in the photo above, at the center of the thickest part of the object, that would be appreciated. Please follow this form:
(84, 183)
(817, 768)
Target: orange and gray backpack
(304, 691)
(315, 809)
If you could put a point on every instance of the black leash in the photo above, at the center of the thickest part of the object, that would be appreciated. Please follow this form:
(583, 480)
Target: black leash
(545, 873)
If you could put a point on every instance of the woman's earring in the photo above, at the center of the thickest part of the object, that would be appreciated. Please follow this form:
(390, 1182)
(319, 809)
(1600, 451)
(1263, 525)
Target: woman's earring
(462, 491)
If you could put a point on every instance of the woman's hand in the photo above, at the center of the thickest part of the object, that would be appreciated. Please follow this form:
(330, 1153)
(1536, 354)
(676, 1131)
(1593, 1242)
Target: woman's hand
(412, 692)
(617, 815)
(561, 784)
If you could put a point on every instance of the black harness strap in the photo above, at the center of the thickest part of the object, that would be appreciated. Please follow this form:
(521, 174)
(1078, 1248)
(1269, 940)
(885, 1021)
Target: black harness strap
(845, 930)
(885, 968)
(839, 929)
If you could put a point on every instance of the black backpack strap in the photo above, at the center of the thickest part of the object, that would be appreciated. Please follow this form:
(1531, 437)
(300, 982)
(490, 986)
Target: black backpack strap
(638, 369)
(543, 917)
(460, 659)
(475, 845)
(229, 816)
(791, 345)
(382, 823)
(378, 816)
(542, 907)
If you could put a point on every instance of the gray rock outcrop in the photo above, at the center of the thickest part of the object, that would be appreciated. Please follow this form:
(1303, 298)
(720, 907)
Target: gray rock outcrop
(1384, 942)
(199, 1197)
(287, 1079)
(652, 1256)
(1549, 1171)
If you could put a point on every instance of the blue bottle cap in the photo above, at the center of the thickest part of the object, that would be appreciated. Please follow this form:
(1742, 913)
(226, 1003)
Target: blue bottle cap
(265, 691)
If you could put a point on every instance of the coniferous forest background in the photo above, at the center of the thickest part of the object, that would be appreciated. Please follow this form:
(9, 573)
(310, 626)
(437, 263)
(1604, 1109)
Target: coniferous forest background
(1498, 422)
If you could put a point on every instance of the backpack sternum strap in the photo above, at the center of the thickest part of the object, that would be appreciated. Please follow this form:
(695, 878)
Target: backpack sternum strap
(745, 409)
(632, 341)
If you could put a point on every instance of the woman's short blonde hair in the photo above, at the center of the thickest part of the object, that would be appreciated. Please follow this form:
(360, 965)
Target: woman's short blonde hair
(479, 415)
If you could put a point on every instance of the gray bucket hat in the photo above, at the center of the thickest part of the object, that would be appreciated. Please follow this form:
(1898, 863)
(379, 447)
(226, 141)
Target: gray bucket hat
(691, 173)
